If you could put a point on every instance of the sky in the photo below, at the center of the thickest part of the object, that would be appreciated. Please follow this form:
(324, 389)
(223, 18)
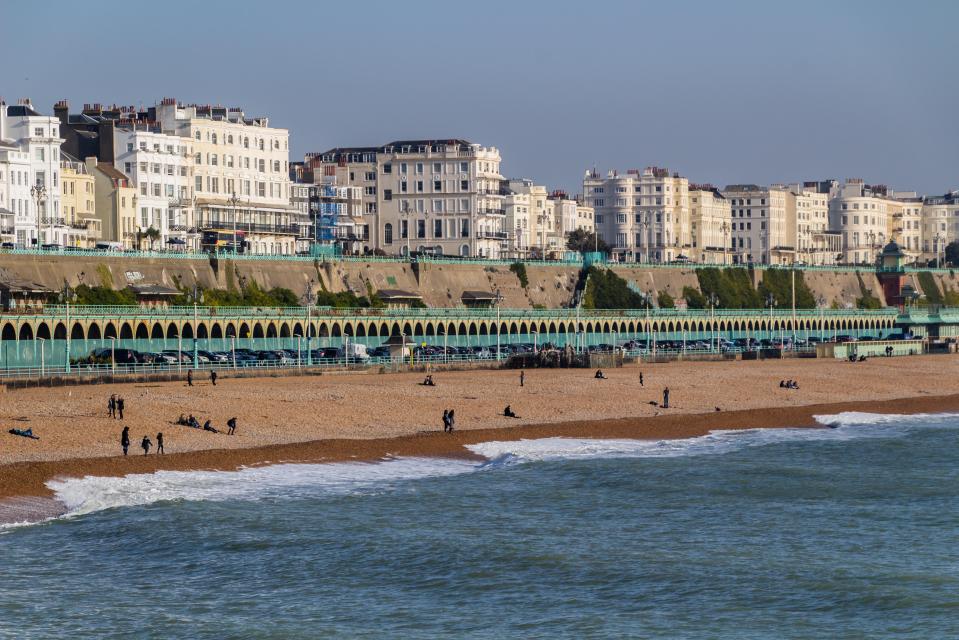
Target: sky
(722, 92)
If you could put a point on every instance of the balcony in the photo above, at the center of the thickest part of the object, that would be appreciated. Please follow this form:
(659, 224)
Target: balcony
(492, 235)
(247, 227)
(491, 212)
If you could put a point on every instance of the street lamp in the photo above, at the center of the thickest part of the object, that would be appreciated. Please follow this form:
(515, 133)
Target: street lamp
(308, 298)
(42, 343)
(67, 295)
(39, 194)
(197, 297)
(725, 229)
(498, 326)
(770, 302)
(713, 301)
(299, 350)
(233, 202)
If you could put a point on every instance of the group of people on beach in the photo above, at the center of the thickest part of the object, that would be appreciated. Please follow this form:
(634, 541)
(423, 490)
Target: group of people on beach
(193, 423)
(115, 406)
(788, 384)
(145, 443)
(449, 420)
(189, 377)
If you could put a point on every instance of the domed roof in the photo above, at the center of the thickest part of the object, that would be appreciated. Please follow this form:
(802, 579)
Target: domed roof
(892, 249)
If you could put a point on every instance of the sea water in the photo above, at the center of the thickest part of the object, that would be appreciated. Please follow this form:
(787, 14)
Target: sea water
(847, 532)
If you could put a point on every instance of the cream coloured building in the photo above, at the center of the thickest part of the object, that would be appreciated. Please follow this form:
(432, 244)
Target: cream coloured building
(940, 224)
(115, 204)
(815, 243)
(710, 225)
(762, 224)
(241, 182)
(642, 215)
(435, 196)
(906, 219)
(78, 203)
(861, 214)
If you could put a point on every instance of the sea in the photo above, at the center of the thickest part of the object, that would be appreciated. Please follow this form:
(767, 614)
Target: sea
(844, 532)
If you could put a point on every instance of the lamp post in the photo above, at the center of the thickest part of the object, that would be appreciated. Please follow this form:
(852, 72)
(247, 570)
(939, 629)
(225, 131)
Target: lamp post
(67, 293)
(233, 202)
(299, 351)
(725, 229)
(770, 302)
(233, 349)
(197, 296)
(713, 301)
(498, 326)
(39, 194)
(42, 360)
(113, 354)
(821, 301)
(308, 296)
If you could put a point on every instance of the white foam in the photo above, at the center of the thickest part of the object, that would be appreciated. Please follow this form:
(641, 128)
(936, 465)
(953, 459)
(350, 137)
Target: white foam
(92, 493)
(96, 493)
(845, 426)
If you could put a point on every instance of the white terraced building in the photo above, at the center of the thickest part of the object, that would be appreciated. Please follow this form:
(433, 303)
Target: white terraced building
(435, 196)
(642, 215)
(161, 168)
(241, 177)
(30, 136)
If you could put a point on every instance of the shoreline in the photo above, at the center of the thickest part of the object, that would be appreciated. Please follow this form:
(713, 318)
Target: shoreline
(24, 495)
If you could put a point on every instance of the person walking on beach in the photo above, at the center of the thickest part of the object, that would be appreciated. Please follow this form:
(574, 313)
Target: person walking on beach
(641, 379)
(125, 439)
(120, 407)
(452, 420)
(522, 378)
(213, 377)
(146, 444)
(446, 420)
(160, 444)
(666, 398)
(189, 378)
(231, 424)
(112, 406)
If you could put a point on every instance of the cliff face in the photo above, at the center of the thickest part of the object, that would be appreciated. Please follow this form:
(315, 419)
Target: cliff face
(441, 285)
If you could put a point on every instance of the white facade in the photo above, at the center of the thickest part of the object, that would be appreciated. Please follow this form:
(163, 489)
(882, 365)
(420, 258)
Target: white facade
(15, 199)
(861, 213)
(161, 168)
(432, 196)
(38, 137)
(240, 176)
(760, 228)
(641, 215)
(940, 224)
(710, 225)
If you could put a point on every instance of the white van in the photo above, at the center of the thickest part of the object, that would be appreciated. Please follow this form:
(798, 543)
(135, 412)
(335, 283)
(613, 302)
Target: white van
(355, 351)
(108, 246)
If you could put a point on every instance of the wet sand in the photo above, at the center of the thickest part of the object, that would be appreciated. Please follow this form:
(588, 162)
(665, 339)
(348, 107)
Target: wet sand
(369, 416)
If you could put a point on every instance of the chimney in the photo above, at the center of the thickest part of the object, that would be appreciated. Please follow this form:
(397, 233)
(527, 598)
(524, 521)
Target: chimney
(62, 110)
(3, 119)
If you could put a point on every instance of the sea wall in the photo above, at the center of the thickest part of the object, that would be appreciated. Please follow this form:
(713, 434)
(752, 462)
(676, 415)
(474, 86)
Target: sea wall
(440, 284)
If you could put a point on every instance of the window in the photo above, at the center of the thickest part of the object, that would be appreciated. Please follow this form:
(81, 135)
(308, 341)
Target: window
(419, 186)
(369, 176)
(403, 186)
(198, 183)
(261, 166)
(419, 168)
(437, 167)
(437, 228)
(421, 228)
(388, 234)
(387, 168)
(464, 185)
(276, 166)
(437, 185)
(40, 153)
(464, 167)
(38, 132)
(387, 194)
(261, 189)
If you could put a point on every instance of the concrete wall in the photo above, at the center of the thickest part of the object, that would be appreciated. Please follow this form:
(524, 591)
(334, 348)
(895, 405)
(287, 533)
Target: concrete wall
(441, 285)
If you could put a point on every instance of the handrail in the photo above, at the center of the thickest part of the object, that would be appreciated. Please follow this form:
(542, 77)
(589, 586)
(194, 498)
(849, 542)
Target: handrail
(81, 311)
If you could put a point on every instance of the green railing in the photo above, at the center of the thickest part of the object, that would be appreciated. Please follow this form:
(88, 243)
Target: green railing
(88, 311)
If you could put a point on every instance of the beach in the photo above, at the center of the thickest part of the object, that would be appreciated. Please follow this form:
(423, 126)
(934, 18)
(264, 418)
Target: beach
(369, 416)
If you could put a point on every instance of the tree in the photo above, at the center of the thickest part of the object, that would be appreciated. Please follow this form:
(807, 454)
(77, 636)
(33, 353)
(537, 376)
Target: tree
(952, 253)
(585, 242)
(152, 235)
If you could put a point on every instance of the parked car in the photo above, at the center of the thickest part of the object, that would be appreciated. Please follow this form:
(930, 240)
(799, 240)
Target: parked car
(215, 356)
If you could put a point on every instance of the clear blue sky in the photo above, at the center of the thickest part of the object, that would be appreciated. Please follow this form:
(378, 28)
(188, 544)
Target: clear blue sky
(720, 91)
